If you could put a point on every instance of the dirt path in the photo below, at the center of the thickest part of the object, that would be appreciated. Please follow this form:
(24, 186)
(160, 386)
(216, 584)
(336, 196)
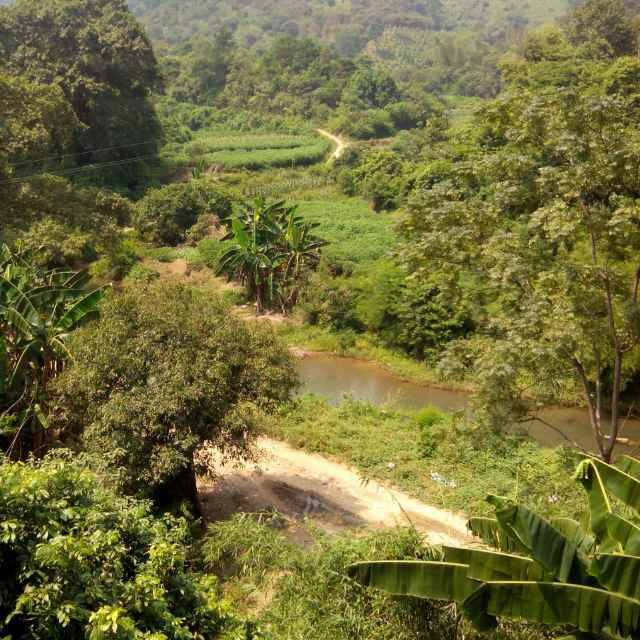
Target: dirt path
(300, 485)
(341, 145)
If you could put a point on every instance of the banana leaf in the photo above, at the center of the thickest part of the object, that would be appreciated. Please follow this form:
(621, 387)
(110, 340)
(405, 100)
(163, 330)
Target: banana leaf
(572, 530)
(548, 546)
(588, 475)
(427, 580)
(492, 534)
(588, 609)
(630, 466)
(492, 566)
(618, 483)
(626, 533)
(618, 573)
(80, 310)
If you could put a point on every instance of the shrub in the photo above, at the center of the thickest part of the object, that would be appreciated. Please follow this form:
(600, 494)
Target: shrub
(164, 215)
(423, 322)
(433, 424)
(312, 598)
(141, 273)
(79, 562)
(211, 250)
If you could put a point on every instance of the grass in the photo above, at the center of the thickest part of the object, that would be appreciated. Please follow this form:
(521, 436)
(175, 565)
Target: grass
(296, 593)
(249, 151)
(267, 158)
(356, 234)
(461, 468)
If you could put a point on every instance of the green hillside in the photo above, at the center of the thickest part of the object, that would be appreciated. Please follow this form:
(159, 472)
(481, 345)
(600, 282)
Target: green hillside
(348, 24)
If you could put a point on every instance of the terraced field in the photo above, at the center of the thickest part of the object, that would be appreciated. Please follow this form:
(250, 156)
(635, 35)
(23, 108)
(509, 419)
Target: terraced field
(250, 151)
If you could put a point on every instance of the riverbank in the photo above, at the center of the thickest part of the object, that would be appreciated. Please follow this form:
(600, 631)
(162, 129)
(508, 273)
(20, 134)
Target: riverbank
(306, 338)
(453, 467)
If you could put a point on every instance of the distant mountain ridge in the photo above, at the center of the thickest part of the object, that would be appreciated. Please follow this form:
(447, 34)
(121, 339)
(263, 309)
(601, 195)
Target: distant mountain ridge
(348, 24)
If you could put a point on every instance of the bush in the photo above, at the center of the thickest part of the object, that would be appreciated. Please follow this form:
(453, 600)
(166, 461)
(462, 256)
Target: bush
(422, 322)
(312, 596)
(141, 273)
(164, 215)
(211, 250)
(433, 424)
(80, 562)
(164, 375)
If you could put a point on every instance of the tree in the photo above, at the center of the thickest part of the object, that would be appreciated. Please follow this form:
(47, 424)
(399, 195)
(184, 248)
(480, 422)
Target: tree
(550, 572)
(541, 223)
(204, 69)
(165, 215)
(272, 250)
(79, 561)
(604, 20)
(38, 311)
(100, 57)
(167, 374)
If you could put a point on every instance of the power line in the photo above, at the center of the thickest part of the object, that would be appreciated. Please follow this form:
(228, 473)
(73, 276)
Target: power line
(78, 170)
(83, 153)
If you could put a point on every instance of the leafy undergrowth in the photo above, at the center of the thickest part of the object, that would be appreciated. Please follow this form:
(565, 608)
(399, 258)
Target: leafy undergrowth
(295, 593)
(441, 462)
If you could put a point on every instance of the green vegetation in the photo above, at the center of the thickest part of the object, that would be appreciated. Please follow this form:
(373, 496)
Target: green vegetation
(586, 575)
(61, 528)
(256, 557)
(479, 227)
(200, 379)
(55, 43)
(454, 473)
(260, 151)
(38, 310)
(271, 251)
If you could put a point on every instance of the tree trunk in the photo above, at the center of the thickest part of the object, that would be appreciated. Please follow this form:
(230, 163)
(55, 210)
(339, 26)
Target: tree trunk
(183, 488)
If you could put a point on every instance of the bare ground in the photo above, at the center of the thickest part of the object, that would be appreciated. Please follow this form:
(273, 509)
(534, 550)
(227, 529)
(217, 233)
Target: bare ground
(302, 486)
(341, 145)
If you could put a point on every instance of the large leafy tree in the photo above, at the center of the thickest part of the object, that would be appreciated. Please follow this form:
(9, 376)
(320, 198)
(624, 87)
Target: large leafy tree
(541, 223)
(100, 57)
(551, 572)
(166, 375)
(603, 20)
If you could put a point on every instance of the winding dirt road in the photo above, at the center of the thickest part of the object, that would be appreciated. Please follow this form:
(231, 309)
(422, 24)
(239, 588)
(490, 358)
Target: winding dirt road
(301, 485)
(341, 145)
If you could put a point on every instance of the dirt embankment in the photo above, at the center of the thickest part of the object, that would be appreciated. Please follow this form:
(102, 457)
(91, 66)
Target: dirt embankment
(301, 485)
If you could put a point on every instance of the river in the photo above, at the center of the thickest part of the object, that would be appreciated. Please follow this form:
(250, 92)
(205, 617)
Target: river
(333, 377)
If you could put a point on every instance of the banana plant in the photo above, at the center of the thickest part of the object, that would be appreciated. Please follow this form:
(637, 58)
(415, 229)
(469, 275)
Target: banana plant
(271, 249)
(38, 310)
(585, 576)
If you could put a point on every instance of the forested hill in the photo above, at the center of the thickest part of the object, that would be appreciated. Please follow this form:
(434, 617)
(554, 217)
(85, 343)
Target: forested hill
(347, 24)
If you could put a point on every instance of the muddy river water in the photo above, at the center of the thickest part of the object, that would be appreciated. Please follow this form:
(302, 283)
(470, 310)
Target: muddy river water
(333, 377)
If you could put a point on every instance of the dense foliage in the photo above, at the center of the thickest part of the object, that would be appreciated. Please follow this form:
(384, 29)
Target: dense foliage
(552, 572)
(272, 250)
(80, 561)
(165, 215)
(101, 59)
(38, 310)
(164, 377)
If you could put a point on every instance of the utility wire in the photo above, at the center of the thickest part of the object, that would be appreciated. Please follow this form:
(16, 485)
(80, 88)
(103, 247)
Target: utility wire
(78, 170)
(83, 153)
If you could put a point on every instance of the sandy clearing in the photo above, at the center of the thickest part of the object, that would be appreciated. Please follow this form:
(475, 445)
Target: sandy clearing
(301, 485)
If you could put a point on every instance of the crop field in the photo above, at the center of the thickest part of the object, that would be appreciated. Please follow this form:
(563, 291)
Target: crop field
(357, 235)
(250, 151)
